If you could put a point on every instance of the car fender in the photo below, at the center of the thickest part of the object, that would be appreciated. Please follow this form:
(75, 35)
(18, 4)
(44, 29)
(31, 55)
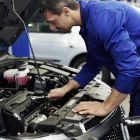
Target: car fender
(76, 45)
(72, 54)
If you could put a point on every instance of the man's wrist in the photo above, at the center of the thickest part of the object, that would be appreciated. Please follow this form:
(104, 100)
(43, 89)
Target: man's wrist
(71, 85)
(66, 88)
(106, 108)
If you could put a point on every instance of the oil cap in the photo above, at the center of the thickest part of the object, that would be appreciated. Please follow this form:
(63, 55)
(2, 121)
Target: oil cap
(22, 68)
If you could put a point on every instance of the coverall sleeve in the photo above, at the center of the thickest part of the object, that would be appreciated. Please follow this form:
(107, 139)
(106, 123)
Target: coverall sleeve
(88, 71)
(112, 32)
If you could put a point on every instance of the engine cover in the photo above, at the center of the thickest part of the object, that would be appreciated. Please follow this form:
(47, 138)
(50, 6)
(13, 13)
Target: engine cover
(75, 125)
(20, 109)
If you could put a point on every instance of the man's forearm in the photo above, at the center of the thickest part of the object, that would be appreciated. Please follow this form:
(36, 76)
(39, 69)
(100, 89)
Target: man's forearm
(114, 99)
(71, 85)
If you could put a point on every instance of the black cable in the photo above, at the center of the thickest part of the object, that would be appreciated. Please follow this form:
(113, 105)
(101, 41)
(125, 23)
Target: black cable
(15, 80)
(30, 48)
(62, 77)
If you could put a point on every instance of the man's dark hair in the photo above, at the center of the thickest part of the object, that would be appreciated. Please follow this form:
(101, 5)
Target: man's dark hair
(55, 6)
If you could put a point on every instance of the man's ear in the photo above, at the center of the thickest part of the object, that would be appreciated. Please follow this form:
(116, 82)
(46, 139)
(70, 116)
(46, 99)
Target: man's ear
(66, 11)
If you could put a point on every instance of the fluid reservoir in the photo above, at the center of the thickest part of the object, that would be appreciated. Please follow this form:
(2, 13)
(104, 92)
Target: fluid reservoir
(19, 74)
(22, 77)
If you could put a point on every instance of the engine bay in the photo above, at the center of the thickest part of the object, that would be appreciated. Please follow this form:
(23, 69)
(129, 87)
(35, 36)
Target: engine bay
(25, 110)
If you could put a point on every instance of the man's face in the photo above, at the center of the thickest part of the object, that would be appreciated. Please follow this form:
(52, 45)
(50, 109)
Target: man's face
(61, 22)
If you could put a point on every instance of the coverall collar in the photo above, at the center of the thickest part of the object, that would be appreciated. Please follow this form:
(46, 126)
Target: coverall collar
(83, 5)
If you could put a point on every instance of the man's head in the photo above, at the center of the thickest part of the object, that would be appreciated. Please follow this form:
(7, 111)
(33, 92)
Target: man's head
(59, 13)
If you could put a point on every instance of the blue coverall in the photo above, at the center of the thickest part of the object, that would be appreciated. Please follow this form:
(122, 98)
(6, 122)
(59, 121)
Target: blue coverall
(111, 31)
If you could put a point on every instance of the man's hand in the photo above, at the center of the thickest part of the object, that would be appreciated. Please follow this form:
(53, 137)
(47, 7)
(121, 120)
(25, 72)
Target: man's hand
(101, 109)
(56, 94)
(94, 108)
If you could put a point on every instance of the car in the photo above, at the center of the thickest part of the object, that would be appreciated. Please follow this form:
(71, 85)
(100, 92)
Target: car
(25, 111)
(61, 48)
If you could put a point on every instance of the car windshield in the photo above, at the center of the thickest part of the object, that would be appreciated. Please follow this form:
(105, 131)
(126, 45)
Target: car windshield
(39, 25)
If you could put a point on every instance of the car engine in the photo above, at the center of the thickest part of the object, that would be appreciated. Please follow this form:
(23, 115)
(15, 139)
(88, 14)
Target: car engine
(25, 109)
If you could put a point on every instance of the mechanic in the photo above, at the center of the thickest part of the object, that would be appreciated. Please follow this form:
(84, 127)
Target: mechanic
(111, 31)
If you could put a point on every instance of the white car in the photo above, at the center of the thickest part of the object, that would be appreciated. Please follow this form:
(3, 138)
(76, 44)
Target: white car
(55, 46)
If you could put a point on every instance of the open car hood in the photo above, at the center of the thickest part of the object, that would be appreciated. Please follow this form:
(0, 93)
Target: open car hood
(11, 26)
